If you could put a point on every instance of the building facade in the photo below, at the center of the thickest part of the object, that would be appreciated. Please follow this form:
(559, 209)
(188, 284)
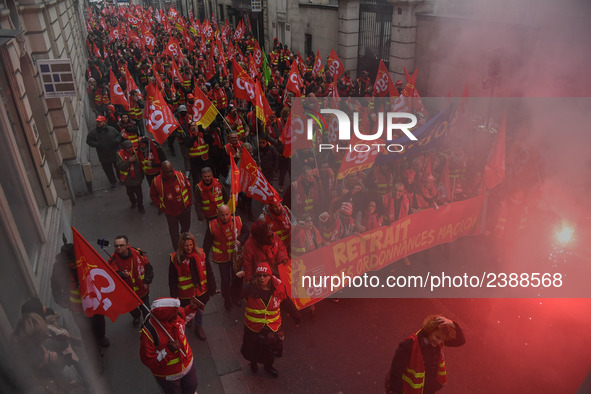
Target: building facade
(43, 145)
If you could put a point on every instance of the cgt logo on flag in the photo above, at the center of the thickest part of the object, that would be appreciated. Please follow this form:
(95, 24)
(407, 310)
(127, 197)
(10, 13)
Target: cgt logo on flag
(98, 284)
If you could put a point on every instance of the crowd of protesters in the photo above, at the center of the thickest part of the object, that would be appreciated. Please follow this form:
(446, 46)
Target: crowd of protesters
(311, 209)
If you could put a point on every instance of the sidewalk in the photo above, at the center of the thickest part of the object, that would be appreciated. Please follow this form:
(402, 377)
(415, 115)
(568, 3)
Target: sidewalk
(105, 214)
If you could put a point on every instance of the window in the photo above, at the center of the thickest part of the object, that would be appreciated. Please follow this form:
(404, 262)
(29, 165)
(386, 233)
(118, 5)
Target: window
(308, 44)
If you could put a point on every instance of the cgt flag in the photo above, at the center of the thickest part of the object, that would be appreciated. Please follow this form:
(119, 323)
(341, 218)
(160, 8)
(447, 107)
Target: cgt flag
(244, 87)
(252, 181)
(295, 83)
(117, 94)
(102, 291)
(335, 66)
(161, 122)
(384, 87)
(204, 112)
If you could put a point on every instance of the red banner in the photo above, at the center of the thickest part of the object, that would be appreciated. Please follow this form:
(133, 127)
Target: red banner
(384, 87)
(161, 122)
(102, 291)
(172, 48)
(295, 83)
(204, 112)
(257, 55)
(244, 87)
(375, 249)
(252, 181)
(335, 66)
(361, 159)
(317, 69)
(117, 94)
(263, 109)
(285, 138)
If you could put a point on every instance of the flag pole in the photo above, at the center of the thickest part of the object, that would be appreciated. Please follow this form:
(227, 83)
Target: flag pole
(141, 303)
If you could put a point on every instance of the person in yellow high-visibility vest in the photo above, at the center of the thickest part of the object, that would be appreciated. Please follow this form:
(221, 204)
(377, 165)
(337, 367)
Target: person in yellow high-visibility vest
(419, 365)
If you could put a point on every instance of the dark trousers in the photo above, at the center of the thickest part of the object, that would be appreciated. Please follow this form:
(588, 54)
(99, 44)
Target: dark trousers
(170, 141)
(185, 385)
(184, 220)
(110, 170)
(136, 197)
(226, 276)
(150, 178)
(141, 310)
(284, 168)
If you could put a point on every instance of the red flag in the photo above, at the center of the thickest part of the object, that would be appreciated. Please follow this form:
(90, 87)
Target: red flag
(295, 83)
(244, 87)
(252, 181)
(231, 51)
(317, 69)
(355, 161)
(285, 138)
(115, 34)
(130, 83)
(96, 50)
(133, 21)
(298, 135)
(172, 48)
(161, 122)
(148, 39)
(301, 64)
(494, 170)
(204, 112)
(257, 55)
(383, 86)
(102, 290)
(207, 30)
(263, 109)
(410, 84)
(133, 37)
(252, 68)
(172, 13)
(210, 69)
(117, 94)
(335, 67)
(239, 33)
(175, 71)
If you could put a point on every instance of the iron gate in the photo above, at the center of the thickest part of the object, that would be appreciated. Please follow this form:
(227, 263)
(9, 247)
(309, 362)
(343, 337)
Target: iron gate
(375, 27)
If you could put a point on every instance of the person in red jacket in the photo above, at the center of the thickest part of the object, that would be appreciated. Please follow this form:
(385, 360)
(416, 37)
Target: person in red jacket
(397, 203)
(171, 193)
(133, 267)
(224, 237)
(265, 296)
(419, 365)
(189, 276)
(263, 245)
(164, 348)
(279, 220)
(209, 195)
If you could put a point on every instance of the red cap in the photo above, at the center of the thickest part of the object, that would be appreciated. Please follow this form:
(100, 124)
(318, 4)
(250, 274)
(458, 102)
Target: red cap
(263, 268)
(190, 96)
(398, 83)
(100, 118)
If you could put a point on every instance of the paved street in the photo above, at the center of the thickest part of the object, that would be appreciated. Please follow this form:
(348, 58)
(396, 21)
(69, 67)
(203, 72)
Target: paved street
(513, 345)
